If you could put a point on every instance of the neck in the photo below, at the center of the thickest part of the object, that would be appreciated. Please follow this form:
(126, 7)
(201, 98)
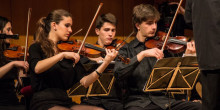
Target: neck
(140, 37)
(53, 38)
(100, 42)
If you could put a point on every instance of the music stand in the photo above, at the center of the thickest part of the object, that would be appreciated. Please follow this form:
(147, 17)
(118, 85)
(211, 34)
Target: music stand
(173, 74)
(101, 87)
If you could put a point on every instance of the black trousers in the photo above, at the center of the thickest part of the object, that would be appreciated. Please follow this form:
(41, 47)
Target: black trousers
(178, 105)
(210, 89)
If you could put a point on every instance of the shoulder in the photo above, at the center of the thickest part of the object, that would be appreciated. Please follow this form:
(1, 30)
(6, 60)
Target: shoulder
(35, 46)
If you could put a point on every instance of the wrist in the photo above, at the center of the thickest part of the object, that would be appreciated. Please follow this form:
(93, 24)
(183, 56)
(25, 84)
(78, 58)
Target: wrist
(13, 64)
(62, 55)
(98, 73)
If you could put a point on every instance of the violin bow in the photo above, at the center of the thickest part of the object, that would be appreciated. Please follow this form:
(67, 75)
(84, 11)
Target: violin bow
(83, 42)
(100, 5)
(27, 37)
(77, 32)
(125, 40)
(171, 26)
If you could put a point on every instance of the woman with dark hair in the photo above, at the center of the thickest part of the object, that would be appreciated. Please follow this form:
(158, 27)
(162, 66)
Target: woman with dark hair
(52, 72)
(8, 71)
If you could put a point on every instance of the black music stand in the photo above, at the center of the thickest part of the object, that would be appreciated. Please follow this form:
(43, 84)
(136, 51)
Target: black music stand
(101, 87)
(173, 74)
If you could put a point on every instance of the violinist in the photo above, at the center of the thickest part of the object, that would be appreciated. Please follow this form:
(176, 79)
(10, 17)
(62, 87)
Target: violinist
(135, 74)
(106, 30)
(9, 71)
(52, 72)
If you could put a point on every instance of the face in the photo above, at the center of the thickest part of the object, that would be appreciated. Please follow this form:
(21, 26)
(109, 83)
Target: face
(106, 33)
(147, 28)
(8, 31)
(63, 29)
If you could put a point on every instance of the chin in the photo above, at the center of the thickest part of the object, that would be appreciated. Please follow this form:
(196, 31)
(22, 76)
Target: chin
(108, 43)
(65, 39)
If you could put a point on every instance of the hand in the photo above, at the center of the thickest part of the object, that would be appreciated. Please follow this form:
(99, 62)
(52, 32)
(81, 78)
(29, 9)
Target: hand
(72, 55)
(110, 54)
(21, 64)
(97, 59)
(154, 52)
(190, 49)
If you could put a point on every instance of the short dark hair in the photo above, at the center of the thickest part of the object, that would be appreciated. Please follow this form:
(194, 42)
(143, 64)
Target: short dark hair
(144, 12)
(110, 18)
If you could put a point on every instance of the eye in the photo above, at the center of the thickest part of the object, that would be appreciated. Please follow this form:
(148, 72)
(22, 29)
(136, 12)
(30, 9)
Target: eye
(113, 30)
(8, 29)
(106, 29)
(68, 25)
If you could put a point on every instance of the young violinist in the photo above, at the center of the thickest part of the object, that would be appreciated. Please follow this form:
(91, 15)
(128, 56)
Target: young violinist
(135, 74)
(106, 30)
(52, 72)
(9, 71)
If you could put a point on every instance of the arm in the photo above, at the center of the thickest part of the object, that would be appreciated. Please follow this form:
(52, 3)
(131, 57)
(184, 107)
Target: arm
(6, 68)
(46, 64)
(123, 70)
(39, 65)
(92, 77)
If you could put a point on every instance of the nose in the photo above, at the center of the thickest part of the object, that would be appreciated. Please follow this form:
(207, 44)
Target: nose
(10, 33)
(70, 29)
(154, 26)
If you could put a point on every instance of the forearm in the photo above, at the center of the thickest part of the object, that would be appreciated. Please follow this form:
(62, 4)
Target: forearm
(140, 56)
(46, 64)
(6, 68)
(92, 77)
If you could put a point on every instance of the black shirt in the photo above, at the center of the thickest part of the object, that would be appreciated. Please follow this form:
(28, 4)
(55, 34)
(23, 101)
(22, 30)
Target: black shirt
(7, 85)
(205, 17)
(62, 75)
(7, 88)
(134, 76)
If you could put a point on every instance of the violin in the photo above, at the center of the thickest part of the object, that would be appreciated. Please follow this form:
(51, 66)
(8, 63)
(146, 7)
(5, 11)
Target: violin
(174, 44)
(116, 44)
(14, 52)
(89, 50)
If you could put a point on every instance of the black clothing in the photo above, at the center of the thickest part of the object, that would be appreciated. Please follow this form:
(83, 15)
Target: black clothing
(134, 76)
(210, 89)
(178, 27)
(205, 17)
(7, 85)
(50, 86)
(8, 97)
(110, 102)
(177, 105)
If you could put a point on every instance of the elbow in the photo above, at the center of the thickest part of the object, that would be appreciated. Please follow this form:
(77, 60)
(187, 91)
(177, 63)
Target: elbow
(37, 71)
(83, 83)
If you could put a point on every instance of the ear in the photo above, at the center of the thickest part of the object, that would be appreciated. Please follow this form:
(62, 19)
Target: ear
(137, 25)
(0, 31)
(53, 25)
(97, 31)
